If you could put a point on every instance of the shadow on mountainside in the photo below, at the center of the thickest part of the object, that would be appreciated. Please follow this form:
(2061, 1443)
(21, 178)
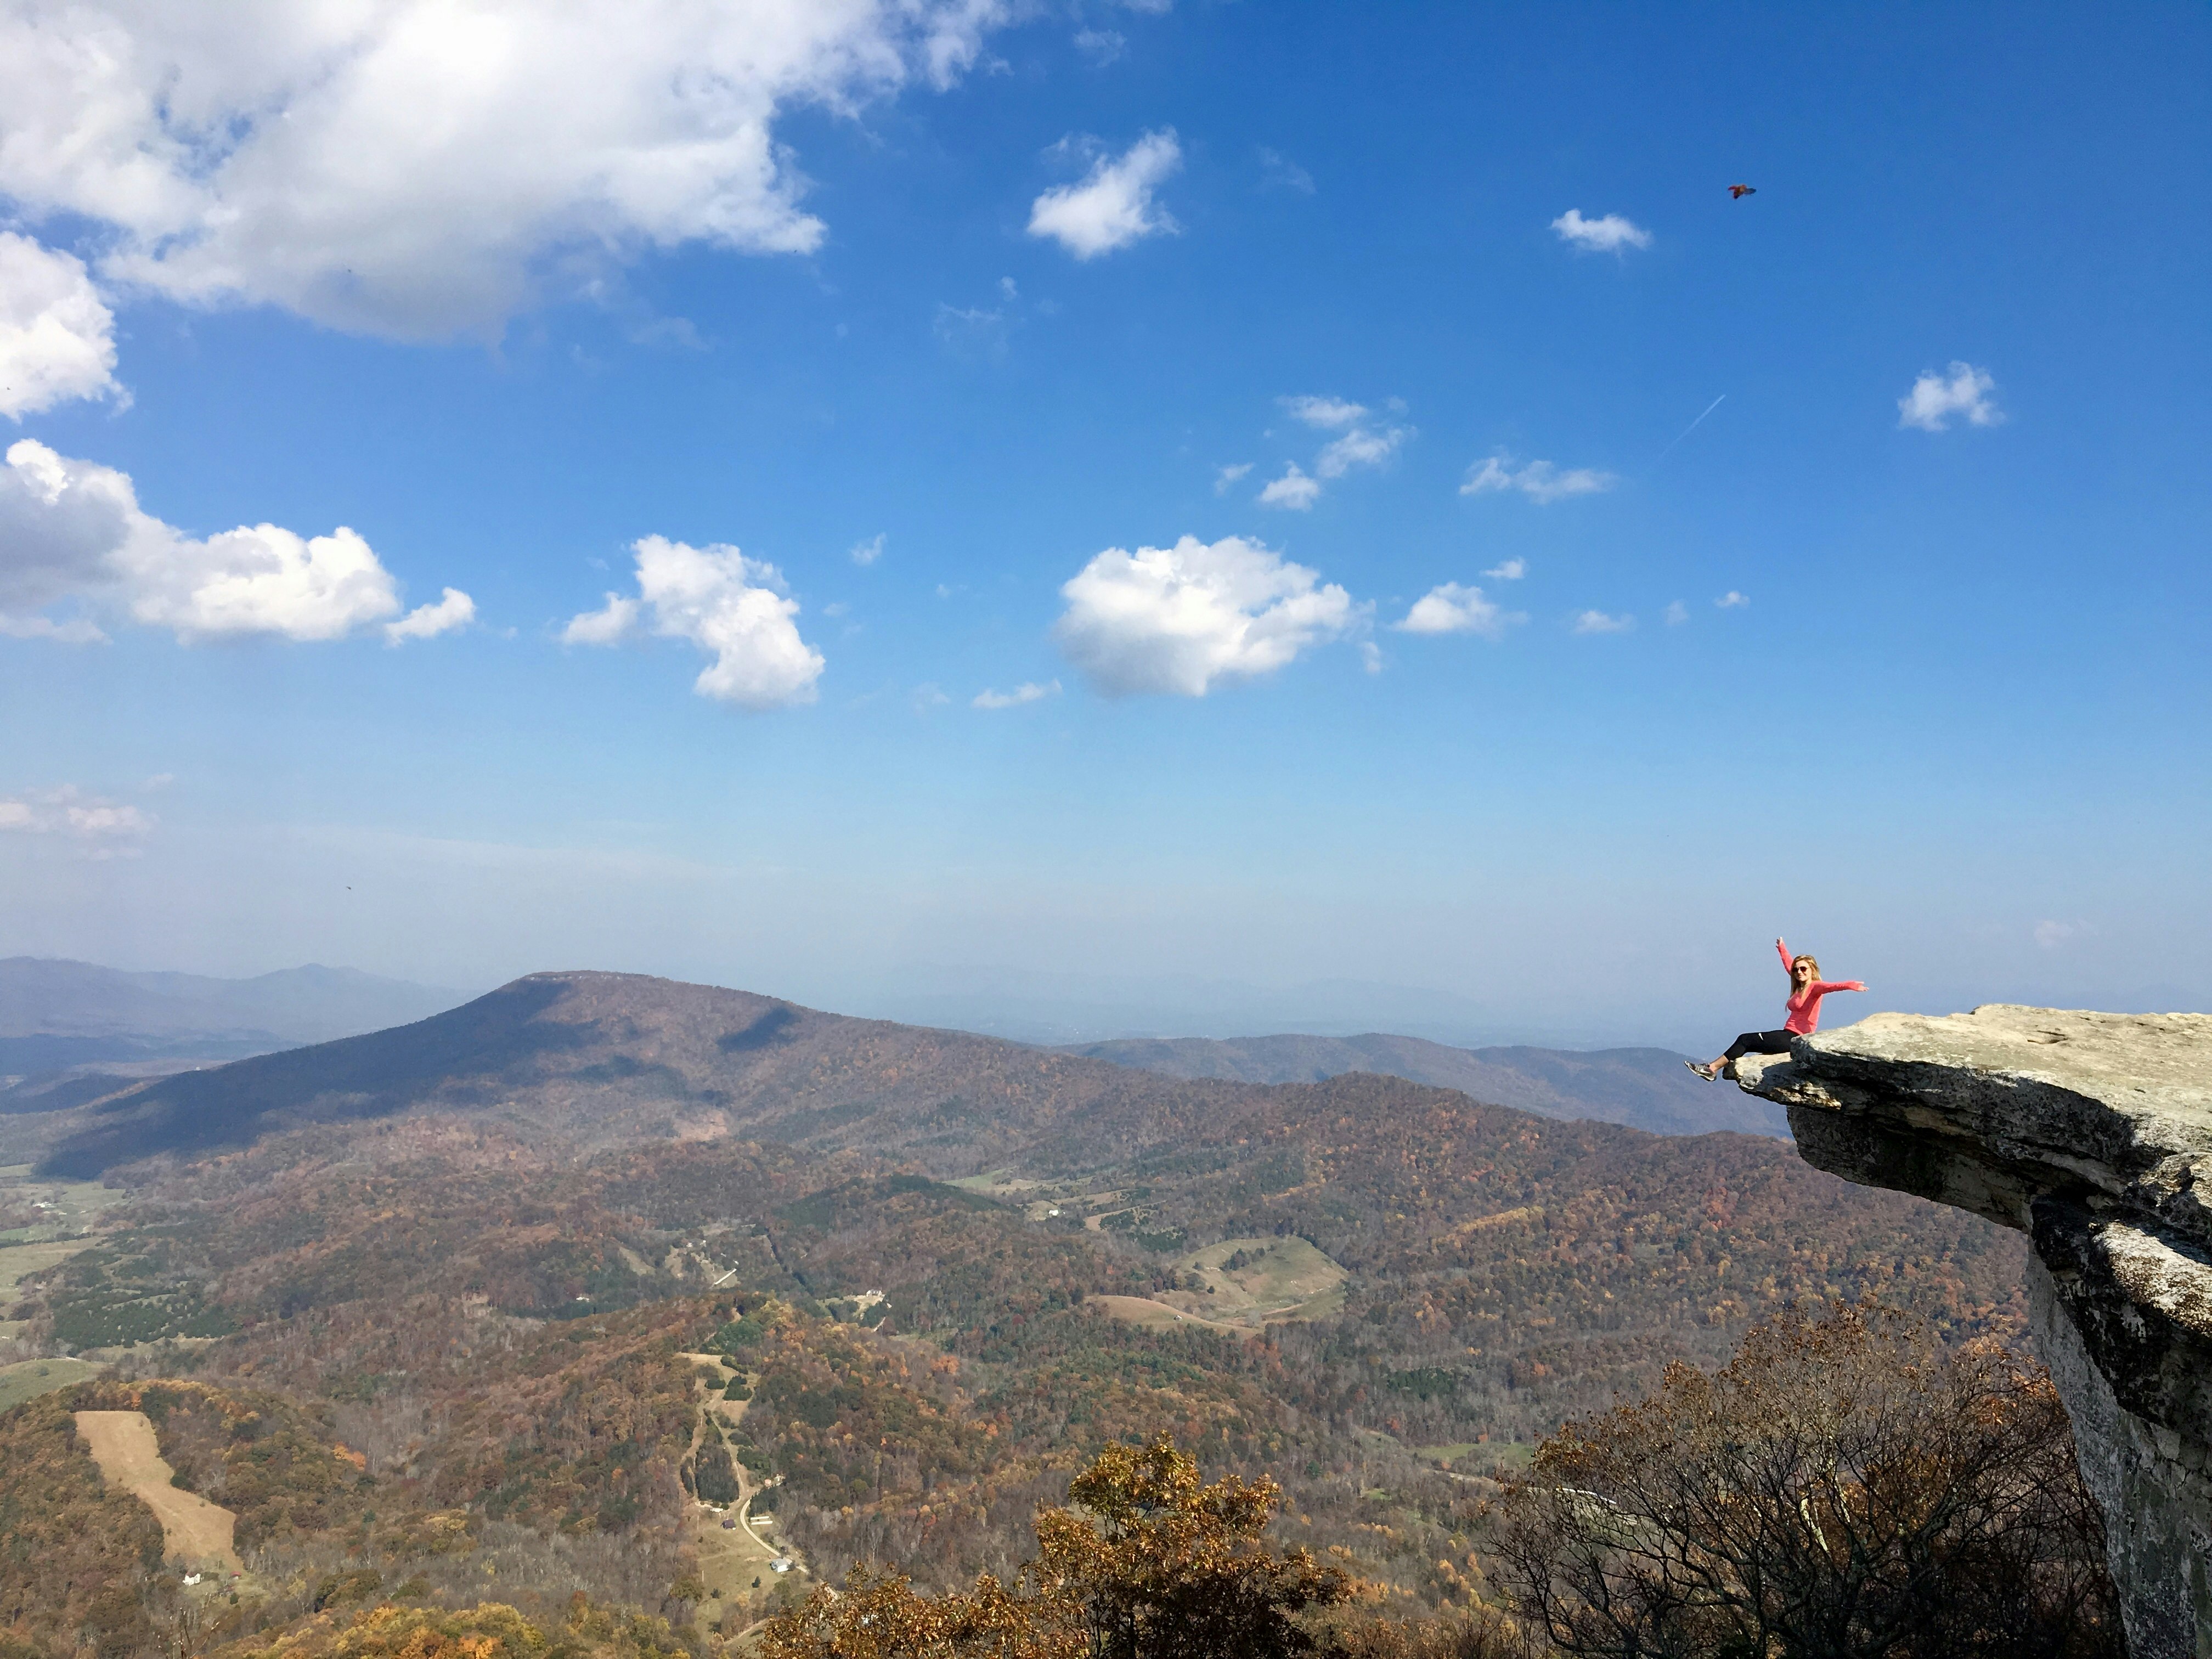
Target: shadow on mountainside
(457, 1055)
(593, 1060)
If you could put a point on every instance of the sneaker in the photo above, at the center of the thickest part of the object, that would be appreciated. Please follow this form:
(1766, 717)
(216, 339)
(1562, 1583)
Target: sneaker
(1700, 1068)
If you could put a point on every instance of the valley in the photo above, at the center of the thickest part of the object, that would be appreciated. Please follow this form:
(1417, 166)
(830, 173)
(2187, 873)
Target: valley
(473, 1329)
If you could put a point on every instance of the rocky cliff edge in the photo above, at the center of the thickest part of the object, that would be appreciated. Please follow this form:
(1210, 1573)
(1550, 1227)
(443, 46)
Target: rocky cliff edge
(2091, 1132)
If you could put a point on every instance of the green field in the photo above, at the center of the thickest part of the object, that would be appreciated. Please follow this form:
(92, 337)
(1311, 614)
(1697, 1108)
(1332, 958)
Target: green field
(75, 1205)
(33, 1377)
(1253, 1280)
(18, 1261)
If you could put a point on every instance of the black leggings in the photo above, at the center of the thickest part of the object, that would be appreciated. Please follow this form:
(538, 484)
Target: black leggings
(1761, 1042)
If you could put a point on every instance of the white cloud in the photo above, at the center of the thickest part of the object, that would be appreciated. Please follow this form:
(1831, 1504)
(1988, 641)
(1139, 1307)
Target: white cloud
(1540, 481)
(1113, 206)
(1018, 697)
(1356, 444)
(76, 630)
(56, 339)
(975, 331)
(1280, 170)
(610, 624)
(1449, 608)
(2052, 935)
(1294, 490)
(1511, 571)
(1596, 621)
(1935, 399)
(1101, 46)
(427, 622)
(731, 606)
(1361, 447)
(1675, 614)
(100, 828)
(1328, 413)
(73, 531)
(1226, 476)
(415, 169)
(1608, 235)
(866, 553)
(1731, 600)
(1178, 619)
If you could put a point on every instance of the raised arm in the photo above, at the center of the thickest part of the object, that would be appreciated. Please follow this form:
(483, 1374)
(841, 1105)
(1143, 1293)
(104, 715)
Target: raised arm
(1784, 949)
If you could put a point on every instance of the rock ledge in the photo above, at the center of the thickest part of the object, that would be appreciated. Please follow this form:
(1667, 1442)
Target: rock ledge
(2091, 1132)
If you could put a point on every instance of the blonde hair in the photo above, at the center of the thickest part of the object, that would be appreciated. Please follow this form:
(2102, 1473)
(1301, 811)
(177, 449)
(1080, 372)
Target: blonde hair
(1807, 957)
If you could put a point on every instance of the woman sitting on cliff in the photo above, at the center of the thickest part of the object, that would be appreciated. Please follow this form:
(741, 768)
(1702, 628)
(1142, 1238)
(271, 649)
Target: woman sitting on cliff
(1807, 987)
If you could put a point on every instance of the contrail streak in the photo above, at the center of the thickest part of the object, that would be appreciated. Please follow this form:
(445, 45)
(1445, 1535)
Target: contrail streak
(1693, 426)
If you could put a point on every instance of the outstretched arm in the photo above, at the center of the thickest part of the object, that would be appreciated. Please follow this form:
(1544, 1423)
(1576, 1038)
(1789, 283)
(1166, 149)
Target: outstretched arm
(1827, 985)
(1784, 949)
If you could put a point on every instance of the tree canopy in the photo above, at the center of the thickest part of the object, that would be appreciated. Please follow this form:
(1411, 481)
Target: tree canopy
(1845, 1488)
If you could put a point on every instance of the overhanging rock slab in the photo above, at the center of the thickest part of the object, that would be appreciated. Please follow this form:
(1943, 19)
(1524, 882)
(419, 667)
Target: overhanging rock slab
(2091, 1132)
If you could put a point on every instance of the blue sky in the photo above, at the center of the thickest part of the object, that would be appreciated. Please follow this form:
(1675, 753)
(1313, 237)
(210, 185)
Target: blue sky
(1000, 292)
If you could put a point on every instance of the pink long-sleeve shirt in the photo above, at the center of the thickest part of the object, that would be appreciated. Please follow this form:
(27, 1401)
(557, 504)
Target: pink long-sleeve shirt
(1805, 1006)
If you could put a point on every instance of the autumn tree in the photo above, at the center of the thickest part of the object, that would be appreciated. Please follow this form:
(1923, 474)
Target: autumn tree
(1845, 1488)
(1147, 1562)
(1156, 1566)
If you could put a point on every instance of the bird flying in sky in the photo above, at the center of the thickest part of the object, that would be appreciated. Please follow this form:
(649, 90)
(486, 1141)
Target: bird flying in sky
(1737, 192)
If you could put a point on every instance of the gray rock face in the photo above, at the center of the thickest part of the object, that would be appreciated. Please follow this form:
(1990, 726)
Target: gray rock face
(2092, 1133)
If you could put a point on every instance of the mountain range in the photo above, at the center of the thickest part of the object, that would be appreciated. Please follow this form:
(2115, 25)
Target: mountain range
(600, 1057)
(71, 1012)
(73, 1032)
(474, 1258)
(1645, 1088)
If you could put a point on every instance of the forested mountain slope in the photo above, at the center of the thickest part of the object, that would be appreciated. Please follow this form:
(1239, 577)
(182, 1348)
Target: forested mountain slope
(1644, 1088)
(465, 1259)
(599, 1059)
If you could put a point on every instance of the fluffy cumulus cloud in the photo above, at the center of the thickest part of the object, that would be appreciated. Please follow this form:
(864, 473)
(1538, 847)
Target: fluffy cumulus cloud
(1540, 481)
(426, 621)
(1609, 234)
(1112, 205)
(1296, 489)
(72, 533)
(57, 336)
(1935, 400)
(734, 608)
(1450, 608)
(415, 169)
(1180, 619)
(1018, 697)
(95, 827)
(1511, 570)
